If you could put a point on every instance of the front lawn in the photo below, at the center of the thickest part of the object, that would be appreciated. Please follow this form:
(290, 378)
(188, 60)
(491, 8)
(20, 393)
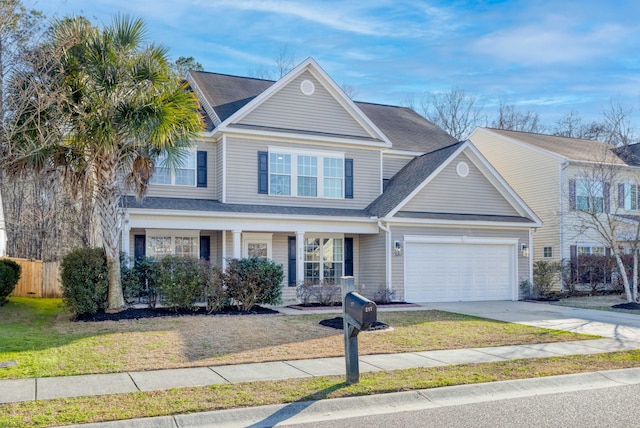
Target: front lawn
(38, 335)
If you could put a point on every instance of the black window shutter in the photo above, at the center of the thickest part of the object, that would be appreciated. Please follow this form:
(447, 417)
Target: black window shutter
(205, 247)
(139, 247)
(573, 252)
(348, 256)
(607, 199)
(572, 195)
(348, 178)
(620, 195)
(292, 261)
(263, 172)
(202, 168)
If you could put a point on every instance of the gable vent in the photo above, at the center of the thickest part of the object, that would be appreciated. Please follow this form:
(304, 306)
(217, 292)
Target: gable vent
(307, 87)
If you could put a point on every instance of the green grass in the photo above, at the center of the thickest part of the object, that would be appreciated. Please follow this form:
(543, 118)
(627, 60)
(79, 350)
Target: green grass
(38, 335)
(218, 397)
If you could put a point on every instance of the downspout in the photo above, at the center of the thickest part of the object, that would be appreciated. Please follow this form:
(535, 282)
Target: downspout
(387, 253)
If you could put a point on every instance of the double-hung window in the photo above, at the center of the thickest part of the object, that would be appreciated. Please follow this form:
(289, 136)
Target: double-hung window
(307, 176)
(280, 173)
(183, 175)
(305, 173)
(629, 196)
(590, 195)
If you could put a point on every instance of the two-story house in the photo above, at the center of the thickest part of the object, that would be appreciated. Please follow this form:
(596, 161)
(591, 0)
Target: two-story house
(296, 171)
(562, 178)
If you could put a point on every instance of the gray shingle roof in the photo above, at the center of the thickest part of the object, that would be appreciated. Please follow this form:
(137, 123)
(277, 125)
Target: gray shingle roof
(576, 149)
(205, 205)
(228, 94)
(406, 129)
(408, 178)
(630, 154)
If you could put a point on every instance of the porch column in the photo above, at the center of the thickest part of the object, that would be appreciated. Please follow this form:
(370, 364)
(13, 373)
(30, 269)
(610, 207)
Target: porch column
(299, 257)
(237, 244)
(125, 238)
(224, 249)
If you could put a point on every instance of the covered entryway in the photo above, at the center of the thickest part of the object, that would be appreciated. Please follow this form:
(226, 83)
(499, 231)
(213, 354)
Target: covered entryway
(443, 269)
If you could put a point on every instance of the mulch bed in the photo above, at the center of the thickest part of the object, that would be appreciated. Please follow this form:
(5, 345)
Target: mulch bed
(318, 307)
(141, 313)
(337, 323)
(631, 305)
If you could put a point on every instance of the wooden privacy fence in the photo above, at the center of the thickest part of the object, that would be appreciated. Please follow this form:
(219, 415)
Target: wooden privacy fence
(38, 279)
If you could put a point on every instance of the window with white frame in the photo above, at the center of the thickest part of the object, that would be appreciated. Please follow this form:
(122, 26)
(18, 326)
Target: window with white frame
(630, 196)
(183, 175)
(257, 245)
(306, 173)
(178, 242)
(323, 259)
(590, 195)
(590, 250)
(547, 252)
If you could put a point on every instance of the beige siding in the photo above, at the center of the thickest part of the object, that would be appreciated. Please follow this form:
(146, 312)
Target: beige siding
(450, 193)
(392, 164)
(192, 192)
(536, 178)
(372, 264)
(289, 108)
(398, 233)
(242, 175)
(219, 171)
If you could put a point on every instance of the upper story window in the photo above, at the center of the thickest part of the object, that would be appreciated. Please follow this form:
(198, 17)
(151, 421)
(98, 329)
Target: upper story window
(590, 195)
(628, 196)
(184, 175)
(305, 174)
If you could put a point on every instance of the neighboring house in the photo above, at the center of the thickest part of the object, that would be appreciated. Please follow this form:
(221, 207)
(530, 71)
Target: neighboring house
(297, 172)
(558, 177)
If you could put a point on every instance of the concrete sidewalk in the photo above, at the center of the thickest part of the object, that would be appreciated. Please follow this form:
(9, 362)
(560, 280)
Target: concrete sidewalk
(621, 332)
(117, 383)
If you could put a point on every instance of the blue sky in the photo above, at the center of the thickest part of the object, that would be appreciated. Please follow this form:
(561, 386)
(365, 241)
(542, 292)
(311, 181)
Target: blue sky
(550, 57)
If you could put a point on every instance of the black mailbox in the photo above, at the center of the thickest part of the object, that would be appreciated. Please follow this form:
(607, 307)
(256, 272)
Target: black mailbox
(362, 310)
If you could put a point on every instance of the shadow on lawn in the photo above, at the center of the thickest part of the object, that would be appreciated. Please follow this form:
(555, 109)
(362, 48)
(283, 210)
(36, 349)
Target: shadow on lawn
(297, 407)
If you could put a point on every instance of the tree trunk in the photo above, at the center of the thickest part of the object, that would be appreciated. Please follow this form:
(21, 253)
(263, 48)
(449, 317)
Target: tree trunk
(107, 197)
(625, 278)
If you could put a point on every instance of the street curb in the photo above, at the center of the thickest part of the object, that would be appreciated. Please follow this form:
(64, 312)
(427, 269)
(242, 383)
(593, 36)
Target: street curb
(337, 408)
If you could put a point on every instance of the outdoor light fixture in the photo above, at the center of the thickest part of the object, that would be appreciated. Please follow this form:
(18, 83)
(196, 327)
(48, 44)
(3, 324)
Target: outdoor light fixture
(524, 250)
(397, 248)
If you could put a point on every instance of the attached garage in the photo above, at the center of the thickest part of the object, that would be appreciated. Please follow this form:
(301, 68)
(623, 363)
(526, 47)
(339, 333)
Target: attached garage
(451, 269)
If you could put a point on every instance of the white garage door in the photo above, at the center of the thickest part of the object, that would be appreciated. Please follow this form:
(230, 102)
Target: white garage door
(451, 272)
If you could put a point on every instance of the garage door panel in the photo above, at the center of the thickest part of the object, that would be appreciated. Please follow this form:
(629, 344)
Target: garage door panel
(441, 272)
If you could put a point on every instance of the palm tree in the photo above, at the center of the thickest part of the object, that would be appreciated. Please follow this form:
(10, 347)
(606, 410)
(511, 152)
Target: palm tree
(120, 106)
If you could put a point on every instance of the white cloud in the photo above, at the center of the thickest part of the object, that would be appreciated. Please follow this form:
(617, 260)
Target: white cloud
(556, 41)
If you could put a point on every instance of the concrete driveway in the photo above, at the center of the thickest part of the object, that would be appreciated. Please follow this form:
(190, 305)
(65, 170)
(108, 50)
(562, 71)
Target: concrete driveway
(587, 321)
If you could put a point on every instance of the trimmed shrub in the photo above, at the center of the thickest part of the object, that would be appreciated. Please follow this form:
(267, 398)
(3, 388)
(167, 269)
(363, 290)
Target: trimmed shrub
(544, 275)
(84, 281)
(324, 293)
(253, 281)
(180, 281)
(10, 272)
(138, 282)
(214, 290)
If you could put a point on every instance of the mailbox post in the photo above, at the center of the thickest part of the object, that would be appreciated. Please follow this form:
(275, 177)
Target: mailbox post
(358, 313)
